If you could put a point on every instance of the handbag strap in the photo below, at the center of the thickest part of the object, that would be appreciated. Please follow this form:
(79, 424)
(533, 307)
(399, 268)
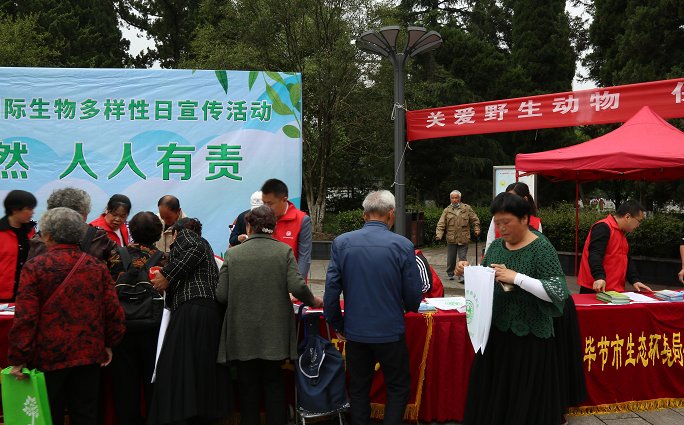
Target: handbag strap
(61, 287)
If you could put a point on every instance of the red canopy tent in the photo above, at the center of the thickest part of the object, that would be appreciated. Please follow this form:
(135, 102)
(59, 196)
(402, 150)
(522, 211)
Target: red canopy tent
(645, 147)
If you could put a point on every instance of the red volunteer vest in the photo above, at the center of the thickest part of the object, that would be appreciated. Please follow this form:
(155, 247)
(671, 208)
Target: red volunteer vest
(614, 260)
(102, 224)
(9, 250)
(287, 228)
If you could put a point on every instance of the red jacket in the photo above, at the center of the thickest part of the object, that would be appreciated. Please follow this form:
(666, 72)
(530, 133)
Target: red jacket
(615, 259)
(288, 226)
(77, 325)
(9, 253)
(102, 224)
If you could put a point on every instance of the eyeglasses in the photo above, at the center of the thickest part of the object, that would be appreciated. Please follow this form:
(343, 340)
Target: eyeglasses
(639, 220)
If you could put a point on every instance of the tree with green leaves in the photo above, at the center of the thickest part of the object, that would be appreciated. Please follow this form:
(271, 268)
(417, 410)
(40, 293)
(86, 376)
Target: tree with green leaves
(84, 34)
(24, 43)
(170, 23)
(312, 37)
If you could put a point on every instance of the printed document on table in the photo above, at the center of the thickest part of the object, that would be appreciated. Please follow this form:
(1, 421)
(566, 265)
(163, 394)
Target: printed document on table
(448, 303)
(479, 288)
(640, 298)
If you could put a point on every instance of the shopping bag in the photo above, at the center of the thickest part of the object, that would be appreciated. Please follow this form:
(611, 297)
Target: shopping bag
(479, 289)
(166, 317)
(25, 401)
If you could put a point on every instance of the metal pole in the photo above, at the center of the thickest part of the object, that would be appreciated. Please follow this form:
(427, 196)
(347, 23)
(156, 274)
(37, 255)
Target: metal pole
(399, 141)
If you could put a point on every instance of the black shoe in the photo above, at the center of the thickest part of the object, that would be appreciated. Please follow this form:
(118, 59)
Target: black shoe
(451, 277)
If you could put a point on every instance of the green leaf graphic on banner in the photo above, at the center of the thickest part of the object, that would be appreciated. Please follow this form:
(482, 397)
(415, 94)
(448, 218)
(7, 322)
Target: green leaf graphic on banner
(278, 106)
(296, 95)
(275, 76)
(252, 78)
(291, 131)
(222, 76)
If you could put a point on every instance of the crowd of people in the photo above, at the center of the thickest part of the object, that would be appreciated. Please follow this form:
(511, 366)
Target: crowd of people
(64, 277)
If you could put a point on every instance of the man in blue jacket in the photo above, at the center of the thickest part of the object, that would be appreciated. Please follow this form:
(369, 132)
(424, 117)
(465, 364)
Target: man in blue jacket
(376, 271)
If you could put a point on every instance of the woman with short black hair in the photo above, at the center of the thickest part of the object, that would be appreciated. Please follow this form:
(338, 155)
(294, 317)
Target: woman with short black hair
(516, 380)
(133, 362)
(113, 220)
(16, 228)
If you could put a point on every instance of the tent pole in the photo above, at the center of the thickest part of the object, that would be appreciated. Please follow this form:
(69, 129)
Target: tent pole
(576, 222)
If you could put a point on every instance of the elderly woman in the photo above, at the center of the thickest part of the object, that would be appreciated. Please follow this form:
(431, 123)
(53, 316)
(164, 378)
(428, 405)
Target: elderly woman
(67, 319)
(190, 386)
(133, 361)
(264, 269)
(113, 220)
(94, 241)
(16, 228)
(516, 380)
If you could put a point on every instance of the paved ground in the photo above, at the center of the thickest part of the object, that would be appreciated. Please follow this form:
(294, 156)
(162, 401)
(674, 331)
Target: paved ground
(437, 258)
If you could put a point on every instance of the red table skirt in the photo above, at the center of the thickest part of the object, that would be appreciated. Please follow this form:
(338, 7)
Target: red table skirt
(633, 359)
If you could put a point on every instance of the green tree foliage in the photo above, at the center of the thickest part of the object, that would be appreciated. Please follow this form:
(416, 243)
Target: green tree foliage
(23, 43)
(634, 41)
(308, 36)
(83, 33)
(170, 23)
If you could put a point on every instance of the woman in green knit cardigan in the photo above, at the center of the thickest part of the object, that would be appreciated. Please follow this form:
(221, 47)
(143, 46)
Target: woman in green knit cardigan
(516, 380)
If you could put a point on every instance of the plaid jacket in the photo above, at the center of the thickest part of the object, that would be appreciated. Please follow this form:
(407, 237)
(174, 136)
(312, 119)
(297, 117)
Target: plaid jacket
(192, 271)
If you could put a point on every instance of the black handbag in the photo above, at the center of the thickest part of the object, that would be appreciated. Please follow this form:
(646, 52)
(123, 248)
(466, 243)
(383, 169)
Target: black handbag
(141, 303)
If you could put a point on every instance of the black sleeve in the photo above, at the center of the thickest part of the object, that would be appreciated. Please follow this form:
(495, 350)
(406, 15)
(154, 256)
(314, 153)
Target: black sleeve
(425, 273)
(240, 228)
(632, 273)
(600, 234)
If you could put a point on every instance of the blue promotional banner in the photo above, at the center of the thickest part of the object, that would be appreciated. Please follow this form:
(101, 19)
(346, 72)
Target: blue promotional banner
(211, 138)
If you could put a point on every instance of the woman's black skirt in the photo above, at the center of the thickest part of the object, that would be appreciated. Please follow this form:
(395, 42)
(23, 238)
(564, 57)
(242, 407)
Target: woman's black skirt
(515, 381)
(190, 386)
(569, 346)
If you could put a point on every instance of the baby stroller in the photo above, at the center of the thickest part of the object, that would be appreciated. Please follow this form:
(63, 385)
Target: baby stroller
(319, 373)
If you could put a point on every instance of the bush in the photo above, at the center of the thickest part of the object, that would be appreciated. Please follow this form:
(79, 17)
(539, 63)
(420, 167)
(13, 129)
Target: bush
(658, 236)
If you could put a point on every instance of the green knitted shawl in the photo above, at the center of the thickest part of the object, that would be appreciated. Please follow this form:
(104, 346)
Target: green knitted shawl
(518, 310)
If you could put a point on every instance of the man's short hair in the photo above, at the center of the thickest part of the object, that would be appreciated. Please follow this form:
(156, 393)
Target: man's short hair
(70, 197)
(274, 186)
(170, 202)
(379, 202)
(17, 200)
(454, 192)
(631, 207)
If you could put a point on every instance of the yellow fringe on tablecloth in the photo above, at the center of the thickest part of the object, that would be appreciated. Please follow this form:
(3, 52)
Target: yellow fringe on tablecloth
(412, 409)
(628, 406)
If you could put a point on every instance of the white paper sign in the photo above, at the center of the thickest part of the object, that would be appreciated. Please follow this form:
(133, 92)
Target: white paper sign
(448, 303)
(479, 289)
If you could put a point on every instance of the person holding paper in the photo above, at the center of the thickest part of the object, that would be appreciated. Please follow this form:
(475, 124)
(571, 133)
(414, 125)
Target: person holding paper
(606, 261)
(516, 380)
(377, 272)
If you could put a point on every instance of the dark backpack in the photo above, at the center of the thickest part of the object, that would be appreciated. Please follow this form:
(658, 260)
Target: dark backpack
(140, 301)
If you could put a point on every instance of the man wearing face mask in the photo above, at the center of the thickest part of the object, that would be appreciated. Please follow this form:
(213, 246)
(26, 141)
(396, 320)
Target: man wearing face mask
(456, 221)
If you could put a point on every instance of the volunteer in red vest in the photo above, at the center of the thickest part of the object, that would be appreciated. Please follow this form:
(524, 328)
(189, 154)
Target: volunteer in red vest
(606, 262)
(293, 227)
(113, 221)
(16, 228)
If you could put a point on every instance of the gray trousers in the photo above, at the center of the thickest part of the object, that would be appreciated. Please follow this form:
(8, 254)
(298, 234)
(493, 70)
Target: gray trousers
(452, 251)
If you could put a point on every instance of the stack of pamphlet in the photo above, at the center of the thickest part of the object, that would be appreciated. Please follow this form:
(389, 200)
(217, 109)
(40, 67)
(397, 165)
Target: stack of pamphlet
(613, 297)
(668, 295)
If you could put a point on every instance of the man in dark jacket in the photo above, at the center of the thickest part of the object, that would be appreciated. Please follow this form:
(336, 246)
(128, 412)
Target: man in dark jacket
(94, 241)
(377, 272)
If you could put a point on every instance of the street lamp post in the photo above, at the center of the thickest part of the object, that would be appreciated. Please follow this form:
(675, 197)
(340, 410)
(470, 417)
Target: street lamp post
(383, 42)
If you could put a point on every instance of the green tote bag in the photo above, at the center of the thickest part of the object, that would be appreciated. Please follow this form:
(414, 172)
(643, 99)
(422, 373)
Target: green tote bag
(25, 402)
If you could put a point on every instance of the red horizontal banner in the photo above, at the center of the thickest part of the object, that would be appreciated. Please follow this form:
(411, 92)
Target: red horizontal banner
(595, 106)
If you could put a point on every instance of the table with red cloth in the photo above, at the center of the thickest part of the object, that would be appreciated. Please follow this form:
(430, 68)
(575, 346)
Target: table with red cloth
(632, 359)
